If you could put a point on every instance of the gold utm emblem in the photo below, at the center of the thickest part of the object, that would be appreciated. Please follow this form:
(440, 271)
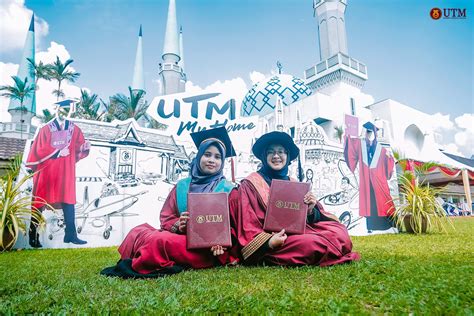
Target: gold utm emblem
(435, 13)
(200, 219)
(279, 204)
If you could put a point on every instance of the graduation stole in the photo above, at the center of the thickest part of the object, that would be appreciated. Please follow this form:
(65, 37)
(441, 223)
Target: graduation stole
(61, 138)
(182, 189)
(365, 156)
(262, 187)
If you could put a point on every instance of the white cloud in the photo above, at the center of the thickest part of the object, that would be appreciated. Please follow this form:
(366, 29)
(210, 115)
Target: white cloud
(457, 137)
(256, 77)
(441, 121)
(7, 70)
(191, 87)
(465, 121)
(234, 88)
(452, 149)
(15, 20)
(460, 138)
(49, 56)
(44, 96)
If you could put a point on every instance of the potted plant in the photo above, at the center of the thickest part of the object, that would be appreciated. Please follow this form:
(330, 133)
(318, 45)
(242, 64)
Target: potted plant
(15, 206)
(418, 210)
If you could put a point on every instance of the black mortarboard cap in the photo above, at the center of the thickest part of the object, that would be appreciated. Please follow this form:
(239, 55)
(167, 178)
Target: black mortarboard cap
(280, 138)
(67, 102)
(370, 126)
(218, 134)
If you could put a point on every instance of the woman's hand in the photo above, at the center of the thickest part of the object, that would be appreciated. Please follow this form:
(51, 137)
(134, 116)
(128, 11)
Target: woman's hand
(86, 146)
(183, 221)
(64, 152)
(277, 240)
(217, 250)
(310, 200)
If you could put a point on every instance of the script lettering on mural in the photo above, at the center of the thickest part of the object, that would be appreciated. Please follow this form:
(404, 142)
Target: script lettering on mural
(194, 112)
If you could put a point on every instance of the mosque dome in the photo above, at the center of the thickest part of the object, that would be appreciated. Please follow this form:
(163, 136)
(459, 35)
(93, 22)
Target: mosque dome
(312, 134)
(261, 98)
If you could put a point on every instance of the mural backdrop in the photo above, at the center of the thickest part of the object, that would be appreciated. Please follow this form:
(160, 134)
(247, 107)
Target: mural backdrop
(129, 170)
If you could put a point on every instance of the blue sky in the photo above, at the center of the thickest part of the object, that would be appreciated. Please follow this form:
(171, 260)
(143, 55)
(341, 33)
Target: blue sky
(418, 61)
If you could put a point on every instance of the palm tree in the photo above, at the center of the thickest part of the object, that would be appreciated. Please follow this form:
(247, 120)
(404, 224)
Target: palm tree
(40, 70)
(60, 73)
(110, 110)
(338, 132)
(20, 91)
(88, 107)
(129, 107)
(47, 116)
(152, 123)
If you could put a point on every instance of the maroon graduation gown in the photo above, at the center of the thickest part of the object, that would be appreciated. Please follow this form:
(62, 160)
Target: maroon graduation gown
(325, 243)
(373, 176)
(152, 249)
(55, 177)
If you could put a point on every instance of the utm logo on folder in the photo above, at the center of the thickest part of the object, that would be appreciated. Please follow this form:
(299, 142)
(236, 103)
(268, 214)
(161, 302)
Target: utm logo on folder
(287, 204)
(209, 219)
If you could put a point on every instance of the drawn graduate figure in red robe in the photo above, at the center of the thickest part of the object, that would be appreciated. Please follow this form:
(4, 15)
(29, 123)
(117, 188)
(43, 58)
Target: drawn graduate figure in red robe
(53, 156)
(375, 169)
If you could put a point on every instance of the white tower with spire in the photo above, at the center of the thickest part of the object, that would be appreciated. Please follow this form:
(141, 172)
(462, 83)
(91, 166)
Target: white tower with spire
(335, 65)
(171, 73)
(138, 82)
(181, 62)
(20, 126)
(279, 124)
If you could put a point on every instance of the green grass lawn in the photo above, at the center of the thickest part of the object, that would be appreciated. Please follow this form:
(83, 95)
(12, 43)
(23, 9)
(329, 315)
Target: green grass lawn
(398, 274)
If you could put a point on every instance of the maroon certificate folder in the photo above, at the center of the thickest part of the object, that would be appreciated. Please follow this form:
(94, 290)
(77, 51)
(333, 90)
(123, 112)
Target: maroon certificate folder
(209, 222)
(286, 208)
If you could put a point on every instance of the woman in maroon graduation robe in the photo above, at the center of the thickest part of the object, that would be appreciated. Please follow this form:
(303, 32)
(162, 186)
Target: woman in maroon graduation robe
(150, 252)
(325, 242)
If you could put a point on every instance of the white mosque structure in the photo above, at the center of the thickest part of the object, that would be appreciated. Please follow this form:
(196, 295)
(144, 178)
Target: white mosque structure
(314, 108)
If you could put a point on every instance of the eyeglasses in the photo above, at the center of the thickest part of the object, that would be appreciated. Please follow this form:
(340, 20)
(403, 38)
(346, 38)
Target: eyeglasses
(280, 153)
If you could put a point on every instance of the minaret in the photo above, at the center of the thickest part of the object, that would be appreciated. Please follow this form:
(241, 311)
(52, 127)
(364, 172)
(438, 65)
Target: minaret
(279, 115)
(335, 64)
(181, 48)
(26, 70)
(181, 62)
(298, 141)
(170, 71)
(332, 27)
(138, 82)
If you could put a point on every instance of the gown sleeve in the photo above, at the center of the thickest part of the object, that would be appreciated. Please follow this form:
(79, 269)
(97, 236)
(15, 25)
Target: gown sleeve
(41, 149)
(389, 164)
(351, 152)
(251, 237)
(169, 216)
(80, 151)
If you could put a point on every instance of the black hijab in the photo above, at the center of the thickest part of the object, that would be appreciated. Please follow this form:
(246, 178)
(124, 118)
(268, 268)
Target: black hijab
(268, 173)
(201, 182)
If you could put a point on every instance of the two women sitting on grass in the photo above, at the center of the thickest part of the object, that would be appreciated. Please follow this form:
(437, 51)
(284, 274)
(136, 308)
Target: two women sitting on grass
(148, 252)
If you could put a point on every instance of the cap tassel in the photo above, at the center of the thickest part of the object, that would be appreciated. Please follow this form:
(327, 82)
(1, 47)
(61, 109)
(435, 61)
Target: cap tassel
(300, 170)
(232, 169)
